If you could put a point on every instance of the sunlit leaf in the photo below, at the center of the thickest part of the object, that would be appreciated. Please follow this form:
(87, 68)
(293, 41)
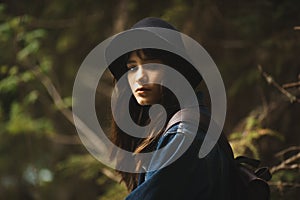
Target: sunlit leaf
(45, 64)
(26, 76)
(13, 70)
(33, 35)
(9, 83)
(31, 48)
(31, 97)
(68, 101)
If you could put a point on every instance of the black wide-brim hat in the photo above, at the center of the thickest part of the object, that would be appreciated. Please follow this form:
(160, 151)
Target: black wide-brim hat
(147, 33)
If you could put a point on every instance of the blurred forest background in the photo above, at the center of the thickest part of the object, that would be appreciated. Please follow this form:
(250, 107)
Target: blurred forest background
(255, 44)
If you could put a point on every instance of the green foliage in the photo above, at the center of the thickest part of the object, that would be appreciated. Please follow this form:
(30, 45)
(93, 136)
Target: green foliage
(87, 167)
(31, 42)
(67, 102)
(12, 78)
(245, 140)
(83, 165)
(289, 176)
(9, 83)
(115, 192)
(22, 123)
(282, 191)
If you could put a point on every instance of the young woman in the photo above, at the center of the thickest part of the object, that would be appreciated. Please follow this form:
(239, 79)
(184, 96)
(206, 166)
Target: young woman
(188, 177)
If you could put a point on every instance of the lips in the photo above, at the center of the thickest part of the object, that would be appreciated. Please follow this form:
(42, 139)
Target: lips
(142, 90)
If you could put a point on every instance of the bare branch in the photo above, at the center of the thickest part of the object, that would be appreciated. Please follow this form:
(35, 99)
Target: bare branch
(270, 80)
(286, 164)
(70, 116)
(59, 103)
(94, 140)
(296, 27)
(292, 148)
(291, 85)
(290, 167)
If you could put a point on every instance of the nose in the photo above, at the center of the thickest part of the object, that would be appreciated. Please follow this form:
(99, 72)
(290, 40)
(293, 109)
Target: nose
(141, 76)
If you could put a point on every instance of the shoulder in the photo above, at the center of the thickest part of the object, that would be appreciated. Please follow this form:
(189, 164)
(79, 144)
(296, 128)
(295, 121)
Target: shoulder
(186, 121)
(181, 141)
(184, 131)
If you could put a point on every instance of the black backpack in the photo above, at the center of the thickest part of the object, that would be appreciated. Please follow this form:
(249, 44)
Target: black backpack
(249, 181)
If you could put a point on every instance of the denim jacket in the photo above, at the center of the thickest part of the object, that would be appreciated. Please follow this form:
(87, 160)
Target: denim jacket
(189, 177)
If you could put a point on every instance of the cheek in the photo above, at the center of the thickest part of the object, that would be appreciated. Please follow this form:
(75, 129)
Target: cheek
(159, 77)
(130, 79)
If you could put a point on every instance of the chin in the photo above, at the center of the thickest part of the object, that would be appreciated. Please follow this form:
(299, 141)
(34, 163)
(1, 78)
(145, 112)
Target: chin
(147, 101)
(144, 103)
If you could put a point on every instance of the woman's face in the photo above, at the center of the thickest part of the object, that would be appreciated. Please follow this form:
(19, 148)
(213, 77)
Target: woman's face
(141, 78)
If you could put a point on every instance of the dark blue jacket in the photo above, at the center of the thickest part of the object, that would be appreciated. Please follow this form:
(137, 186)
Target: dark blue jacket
(188, 178)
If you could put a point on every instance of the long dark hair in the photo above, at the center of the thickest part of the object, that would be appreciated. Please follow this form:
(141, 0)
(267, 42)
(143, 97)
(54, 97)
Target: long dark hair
(139, 113)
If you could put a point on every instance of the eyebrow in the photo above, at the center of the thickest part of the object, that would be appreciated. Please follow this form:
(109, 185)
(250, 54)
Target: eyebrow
(131, 61)
(145, 59)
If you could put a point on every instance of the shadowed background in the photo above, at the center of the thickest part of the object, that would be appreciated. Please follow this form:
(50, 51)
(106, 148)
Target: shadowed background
(255, 44)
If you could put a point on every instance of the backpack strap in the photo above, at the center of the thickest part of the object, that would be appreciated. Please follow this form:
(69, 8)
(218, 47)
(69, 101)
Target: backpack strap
(189, 115)
(186, 115)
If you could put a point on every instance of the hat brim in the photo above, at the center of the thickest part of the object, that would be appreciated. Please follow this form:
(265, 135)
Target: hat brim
(141, 38)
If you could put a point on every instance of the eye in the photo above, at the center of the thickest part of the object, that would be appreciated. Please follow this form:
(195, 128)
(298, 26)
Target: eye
(132, 67)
